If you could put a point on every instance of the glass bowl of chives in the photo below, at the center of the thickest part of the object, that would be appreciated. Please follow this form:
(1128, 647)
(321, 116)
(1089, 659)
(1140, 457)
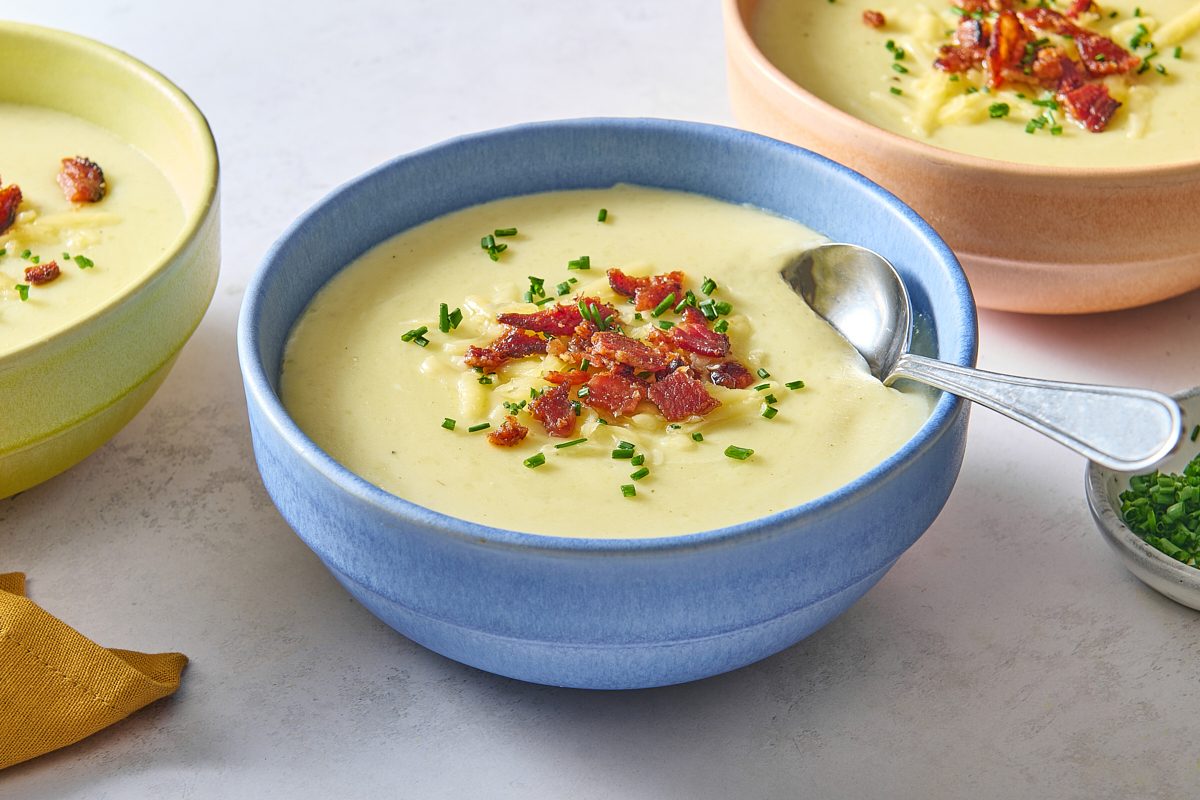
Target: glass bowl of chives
(1152, 520)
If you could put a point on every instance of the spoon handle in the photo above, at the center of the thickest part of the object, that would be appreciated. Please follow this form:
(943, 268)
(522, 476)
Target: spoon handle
(1123, 429)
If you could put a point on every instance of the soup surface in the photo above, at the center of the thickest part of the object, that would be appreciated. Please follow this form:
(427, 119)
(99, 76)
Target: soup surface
(111, 244)
(359, 382)
(886, 76)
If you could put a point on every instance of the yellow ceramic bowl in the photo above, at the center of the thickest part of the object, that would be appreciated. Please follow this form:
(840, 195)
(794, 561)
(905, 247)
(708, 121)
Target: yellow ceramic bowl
(63, 396)
(1140, 246)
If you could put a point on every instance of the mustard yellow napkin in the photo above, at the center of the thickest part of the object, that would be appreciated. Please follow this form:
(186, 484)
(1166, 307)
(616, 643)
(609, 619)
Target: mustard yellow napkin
(57, 686)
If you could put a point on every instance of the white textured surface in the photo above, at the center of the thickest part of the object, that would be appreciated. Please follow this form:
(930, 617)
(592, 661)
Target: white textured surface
(1008, 654)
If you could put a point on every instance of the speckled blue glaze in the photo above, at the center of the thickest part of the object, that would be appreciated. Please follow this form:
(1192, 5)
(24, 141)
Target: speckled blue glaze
(610, 614)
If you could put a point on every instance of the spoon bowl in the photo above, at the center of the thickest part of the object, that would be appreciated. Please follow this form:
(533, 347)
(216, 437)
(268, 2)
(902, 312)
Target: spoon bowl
(861, 295)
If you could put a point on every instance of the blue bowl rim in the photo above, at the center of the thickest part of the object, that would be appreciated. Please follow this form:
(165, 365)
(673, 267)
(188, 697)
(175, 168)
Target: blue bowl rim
(259, 391)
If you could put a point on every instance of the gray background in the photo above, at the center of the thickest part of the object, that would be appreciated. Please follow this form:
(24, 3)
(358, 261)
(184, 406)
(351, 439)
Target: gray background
(1008, 654)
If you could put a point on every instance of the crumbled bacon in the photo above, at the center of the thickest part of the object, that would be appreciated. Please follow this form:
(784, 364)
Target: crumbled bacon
(10, 199)
(693, 334)
(679, 396)
(1079, 7)
(82, 180)
(553, 409)
(620, 348)
(512, 344)
(731, 375)
(573, 378)
(983, 6)
(646, 292)
(40, 274)
(1091, 104)
(1007, 47)
(952, 58)
(1102, 56)
(559, 320)
(509, 433)
(618, 394)
(874, 19)
(972, 33)
(1047, 19)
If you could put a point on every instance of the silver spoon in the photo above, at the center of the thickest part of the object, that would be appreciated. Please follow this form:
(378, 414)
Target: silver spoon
(860, 294)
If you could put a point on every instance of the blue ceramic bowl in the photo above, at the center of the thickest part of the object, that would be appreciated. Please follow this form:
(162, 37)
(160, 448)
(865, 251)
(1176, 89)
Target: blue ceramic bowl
(611, 614)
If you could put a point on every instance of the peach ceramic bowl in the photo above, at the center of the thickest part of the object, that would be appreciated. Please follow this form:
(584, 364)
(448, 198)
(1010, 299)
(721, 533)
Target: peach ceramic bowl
(1140, 245)
(65, 394)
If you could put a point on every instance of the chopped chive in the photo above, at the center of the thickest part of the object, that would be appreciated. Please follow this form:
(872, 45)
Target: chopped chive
(620, 453)
(638, 315)
(1159, 68)
(793, 385)
(896, 90)
(414, 334)
(584, 392)
(421, 341)
(624, 445)
(770, 399)
(709, 286)
(26, 253)
(483, 426)
(721, 326)
(3, 251)
(534, 394)
(898, 53)
(35, 259)
(486, 380)
(535, 460)
(506, 232)
(1178, 51)
(601, 421)
(444, 318)
(663, 305)
(762, 373)
(602, 215)
(723, 308)
(1049, 103)
(583, 262)
(954, 78)
(674, 426)
(638, 460)
(639, 474)
(23, 290)
(697, 437)
(740, 453)
(890, 44)
(583, 365)
(1056, 130)
(770, 411)
(448, 424)
(709, 309)
(998, 110)
(571, 443)
(487, 242)
(666, 325)
(543, 301)
(762, 386)
(1195, 432)
(456, 317)
(577, 407)
(629, 490)
(573, 279)
(563, 288)
(898, 67)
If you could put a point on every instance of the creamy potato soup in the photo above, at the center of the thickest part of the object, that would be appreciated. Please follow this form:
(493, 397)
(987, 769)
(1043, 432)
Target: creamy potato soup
(418, 398)
(100, 248)
(882, 69)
